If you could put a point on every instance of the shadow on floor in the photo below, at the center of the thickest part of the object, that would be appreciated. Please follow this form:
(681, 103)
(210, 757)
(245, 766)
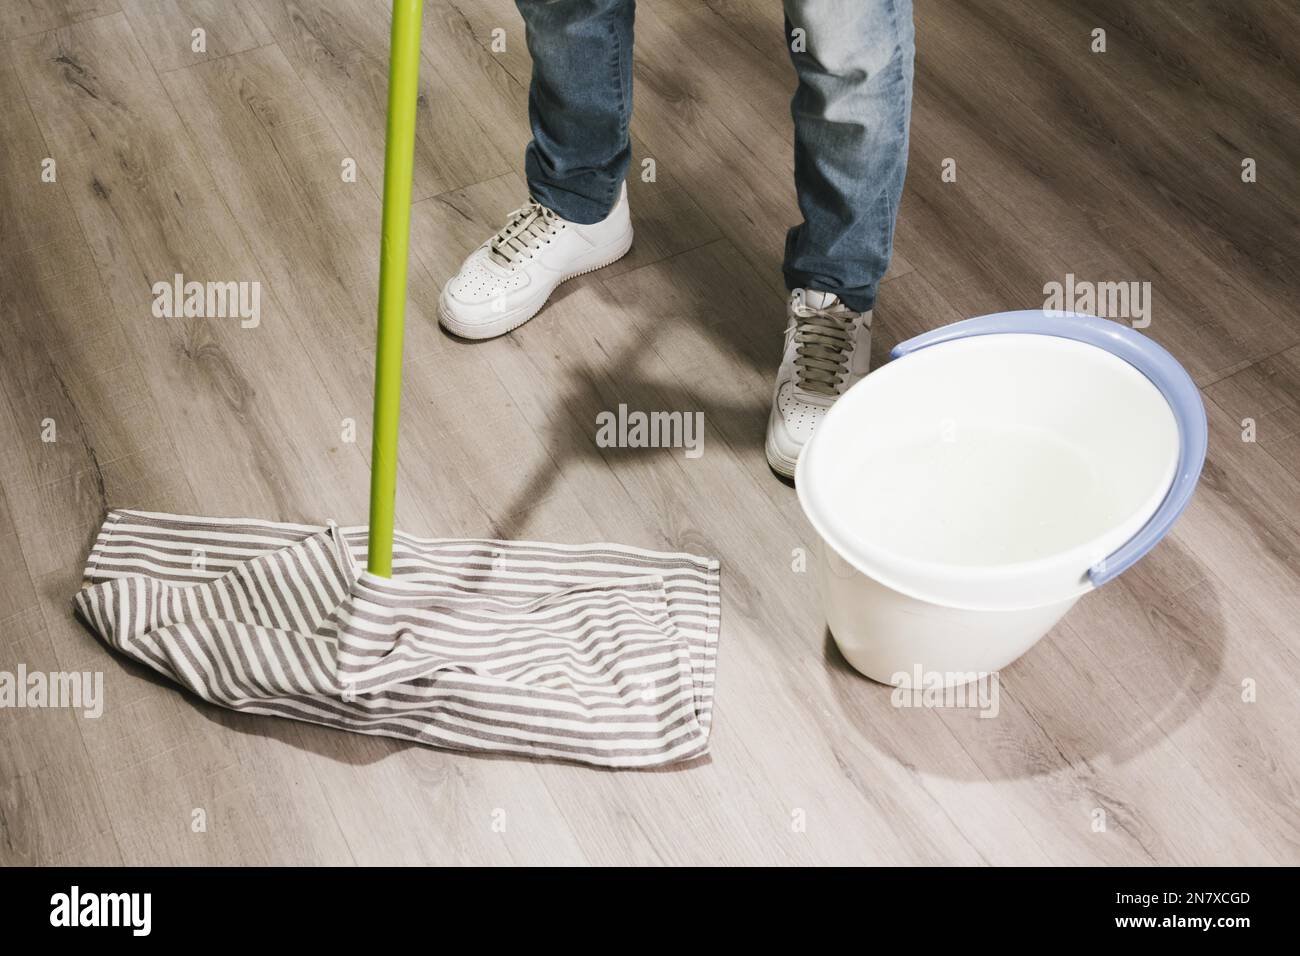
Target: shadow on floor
(1117, 676)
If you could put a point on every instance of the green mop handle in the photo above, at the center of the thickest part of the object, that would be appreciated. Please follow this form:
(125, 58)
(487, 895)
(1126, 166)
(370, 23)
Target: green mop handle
(399, 163)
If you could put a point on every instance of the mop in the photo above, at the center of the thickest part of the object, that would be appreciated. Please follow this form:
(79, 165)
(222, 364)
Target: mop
(599, 653)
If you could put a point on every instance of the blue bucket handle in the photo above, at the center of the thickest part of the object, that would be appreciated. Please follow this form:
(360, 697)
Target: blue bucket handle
(1144, 355)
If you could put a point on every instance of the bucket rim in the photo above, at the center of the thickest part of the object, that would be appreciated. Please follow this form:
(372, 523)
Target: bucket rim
(1137, 352)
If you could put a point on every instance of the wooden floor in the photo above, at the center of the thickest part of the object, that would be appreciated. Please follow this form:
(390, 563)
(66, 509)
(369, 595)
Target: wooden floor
(1158, 722)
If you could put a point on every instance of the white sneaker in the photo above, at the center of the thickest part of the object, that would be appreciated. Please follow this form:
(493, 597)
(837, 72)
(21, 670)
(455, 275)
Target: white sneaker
(827, 350)
(505, 281)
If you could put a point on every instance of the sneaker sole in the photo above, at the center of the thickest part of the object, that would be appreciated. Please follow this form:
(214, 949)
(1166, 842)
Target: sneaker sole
(778, 462)
(511, 321)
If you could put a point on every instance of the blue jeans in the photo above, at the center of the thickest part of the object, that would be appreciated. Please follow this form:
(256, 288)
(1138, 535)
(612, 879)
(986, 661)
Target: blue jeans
(851, 109)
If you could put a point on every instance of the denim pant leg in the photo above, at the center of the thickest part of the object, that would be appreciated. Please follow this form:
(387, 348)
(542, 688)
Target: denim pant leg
(579, 103)
(851, 112)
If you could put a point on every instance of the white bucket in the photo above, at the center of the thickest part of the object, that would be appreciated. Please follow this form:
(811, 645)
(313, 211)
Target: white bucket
(970, 491)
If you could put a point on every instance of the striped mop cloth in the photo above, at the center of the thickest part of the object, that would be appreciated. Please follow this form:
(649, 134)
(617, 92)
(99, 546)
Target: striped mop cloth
(598, 653)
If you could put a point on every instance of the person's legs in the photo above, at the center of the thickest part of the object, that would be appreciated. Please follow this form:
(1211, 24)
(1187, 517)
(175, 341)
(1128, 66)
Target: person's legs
(576, 219)
(851, 110)
(579, 103)
(851, 113)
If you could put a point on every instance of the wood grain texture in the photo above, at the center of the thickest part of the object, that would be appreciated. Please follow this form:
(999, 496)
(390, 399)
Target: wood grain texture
(168, 29)
(24, 17)
(340, 52)
(1163, 706)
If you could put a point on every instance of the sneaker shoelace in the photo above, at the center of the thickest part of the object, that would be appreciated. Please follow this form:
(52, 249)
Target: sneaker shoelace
(824, 345)
(527, 228)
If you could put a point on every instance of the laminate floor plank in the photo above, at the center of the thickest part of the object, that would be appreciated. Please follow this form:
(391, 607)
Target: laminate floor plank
(340, 52)
(50, 800)
(1218, 293)
(1264, 399)
(180, 33)
(20, 18)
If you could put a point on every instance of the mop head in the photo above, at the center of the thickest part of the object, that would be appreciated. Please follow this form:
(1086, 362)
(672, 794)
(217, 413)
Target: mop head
(599, 653)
